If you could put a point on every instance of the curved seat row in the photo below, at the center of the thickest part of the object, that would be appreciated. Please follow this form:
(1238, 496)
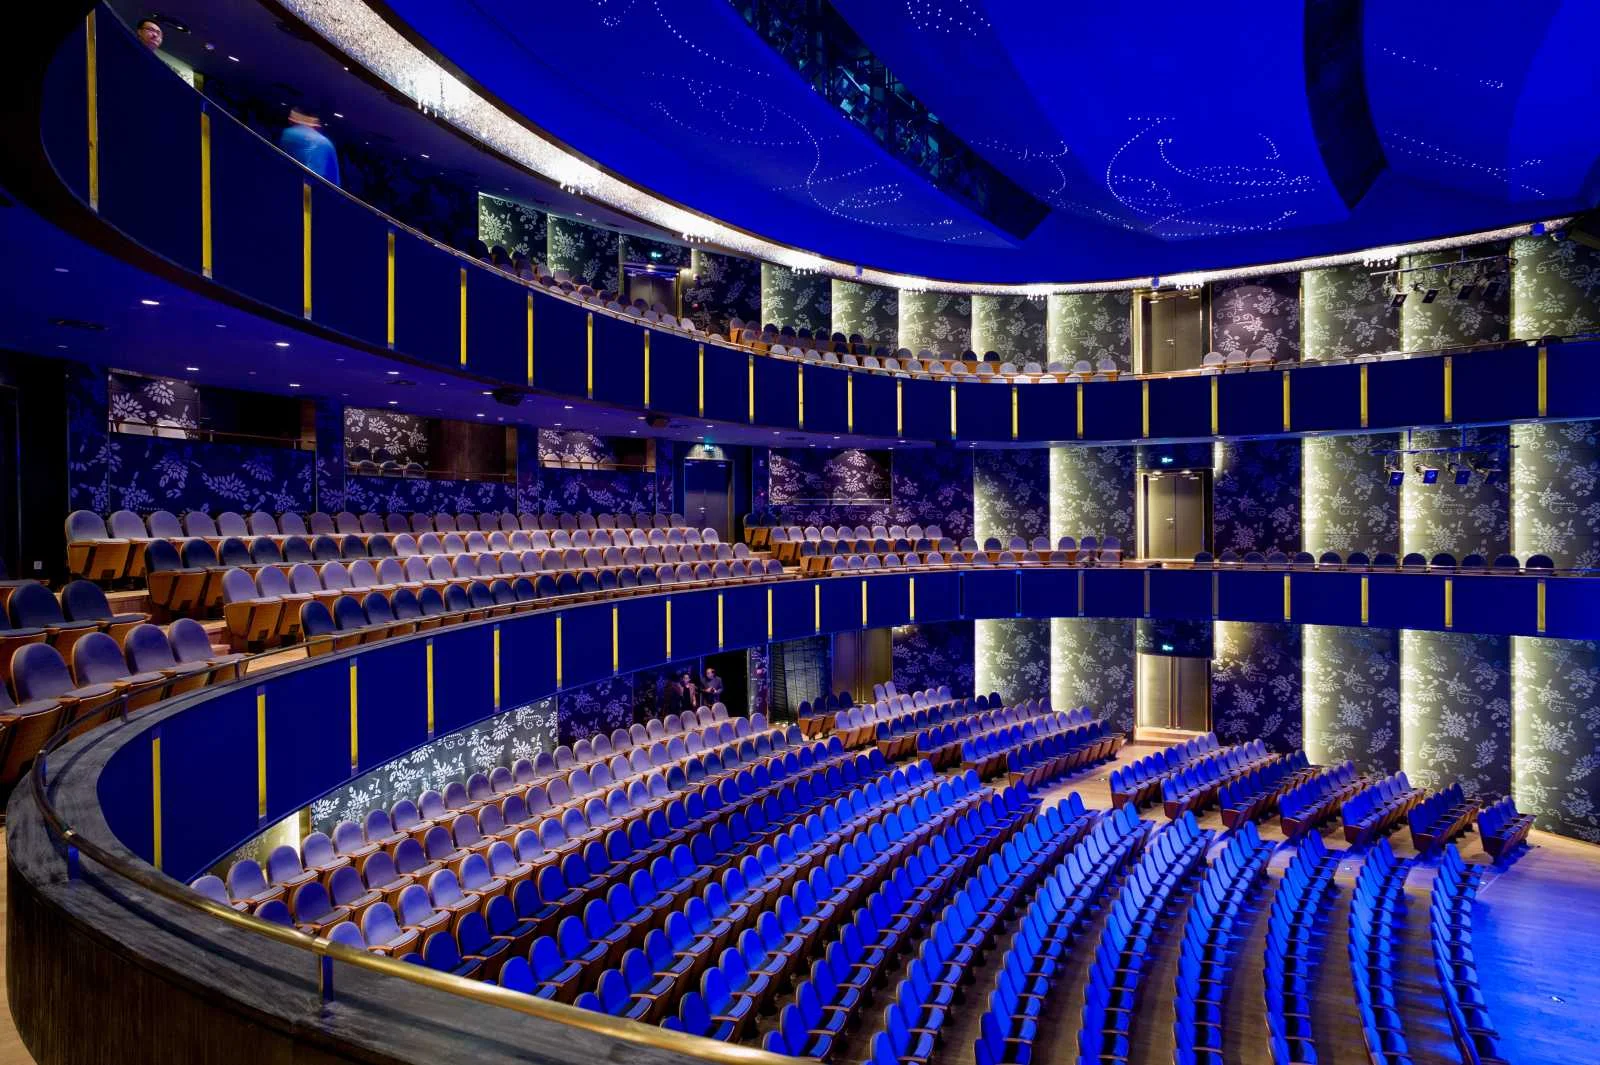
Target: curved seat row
(1196, 785)
(1375, 910)
(1440, 818)
(1378, 808)
(1502, 828)
(1254, 794)
(1442, 561)
(861, 724)
(1450, 934)
(1309, 803)
(988, 752)
(1139, 781)
(943, 743)
(1294, 949)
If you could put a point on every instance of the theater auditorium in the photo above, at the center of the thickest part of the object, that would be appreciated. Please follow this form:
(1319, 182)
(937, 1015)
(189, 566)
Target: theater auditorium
(711, 532)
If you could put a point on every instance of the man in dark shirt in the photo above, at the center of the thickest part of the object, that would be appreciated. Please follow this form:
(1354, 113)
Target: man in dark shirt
(713, 686)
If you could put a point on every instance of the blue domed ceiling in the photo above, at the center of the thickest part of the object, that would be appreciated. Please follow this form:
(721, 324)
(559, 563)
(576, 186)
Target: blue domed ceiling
(1154, 139)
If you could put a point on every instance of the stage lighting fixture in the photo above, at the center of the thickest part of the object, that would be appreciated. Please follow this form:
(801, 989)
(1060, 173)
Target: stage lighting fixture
(1399, 298)
(1466, 291)
(1463, 474)
(1430, 295)
(1396, 478)
(1429, 474)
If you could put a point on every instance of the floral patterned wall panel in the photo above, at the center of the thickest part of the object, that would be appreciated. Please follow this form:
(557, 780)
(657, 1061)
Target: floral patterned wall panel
(1012, 656)
(1347, 311)
(1012, 326)
(849, 475)
(516, 227)
(1352, 696)
(936, 321)
(155, 402)
(1555, 492)
(928, 655)
(1448, 321)
(1555, 741)
(598, 491)
(403, 436)
(588, 253)
(328, 421)
(933, 486)
(1092, 664)
(1092, 491)
(871, 310)
(1346, 499)
(530, 479)
(1256, 683)
(1255, 496)
(1091, 326)
(1257, 312)
(520, 733)
(558, 446)
(722, 287)
(413, 495)
(804, 301)
(1555, 288)
(1011, 494)
(603, 706)
(1458, 518)
(1455, 711)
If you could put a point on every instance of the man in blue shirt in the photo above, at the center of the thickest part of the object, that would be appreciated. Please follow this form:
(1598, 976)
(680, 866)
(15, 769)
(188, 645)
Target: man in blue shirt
(304, 140)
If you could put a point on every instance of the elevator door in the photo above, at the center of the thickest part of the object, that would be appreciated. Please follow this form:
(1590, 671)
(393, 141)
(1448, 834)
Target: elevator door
(1176, 513)
(706, 484)
(1174, 331)
(1175, 693)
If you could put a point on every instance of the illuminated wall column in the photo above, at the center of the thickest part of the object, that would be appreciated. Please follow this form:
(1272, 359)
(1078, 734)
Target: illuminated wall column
(871, 310)
(1445, 516)
(1346, 503)
(1091, 491)
(1090, 326)
(1013, 326)
(1346, 310)
(1455, 711)
(804, 301)
(1447, 321)
(1555, 287)
(928, 655)
(1092, 664)
(1011, 494)
(939, 322)
(1352, 696)
(1555, 477)
(1256, 680)
(1555, 733)
(1012, 656)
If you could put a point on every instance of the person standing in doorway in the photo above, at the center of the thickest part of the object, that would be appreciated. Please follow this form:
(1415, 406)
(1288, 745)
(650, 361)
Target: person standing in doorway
(713, 686)
(303, 139)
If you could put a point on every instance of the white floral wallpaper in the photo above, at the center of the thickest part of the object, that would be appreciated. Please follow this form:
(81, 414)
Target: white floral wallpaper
(1257, 312)
(1092, 491)
(1352, 696)
(1092, 664)
(930, 654)
(404, 436)
(515, 227)
(1091, 326)
(1256, 684)
(722, 287)
(1448, 321)
(1555, 748)
(1013, 326)
(1011, 493)
(938, 321)
(1346, 311)
(1555, 288)
(1555, 492)
(1346, 502)
(871, 310)
(1458, 518)
(1012, 656)
(1255, 495)
(846, 475)
(1455, 711)
(589, 254)
(804, 301)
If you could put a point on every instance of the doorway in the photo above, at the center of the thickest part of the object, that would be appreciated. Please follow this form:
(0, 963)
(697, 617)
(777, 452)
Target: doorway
(707, 502)
(656, 286)
(1174, 693)
(1174, 513)
(1172, 330)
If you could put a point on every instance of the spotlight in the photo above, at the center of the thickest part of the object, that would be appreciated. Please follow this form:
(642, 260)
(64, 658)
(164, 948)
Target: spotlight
(1491, 290)
(1396, 478)
(1493, 476)
(1430, 295)
(1465, 292)
(1429, 474)
(1463, 474)
(1399, 298)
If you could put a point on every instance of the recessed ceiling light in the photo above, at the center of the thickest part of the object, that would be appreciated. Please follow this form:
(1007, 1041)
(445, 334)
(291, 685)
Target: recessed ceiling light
(280, 343)
(393, 402)
(478, 415)
(151, 303)
(192, 369)
(337, 115)
(425, 155)
(396, 373)
(634, 431)
(61, 270)
(235, 59)
(567, 406)
(221, 326)
(558, 424)
(485, 393)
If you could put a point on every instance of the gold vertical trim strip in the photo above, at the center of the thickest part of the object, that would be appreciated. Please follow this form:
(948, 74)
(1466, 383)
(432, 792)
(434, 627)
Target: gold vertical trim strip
(1363, 395)
(816, 608)
(616, 643)
(92, 85)
(911, 599)
(1364, 600)
(588, 357)
(899, 408)
(1080, 410)
(952, 412)
(700, 401)
(647, 369)
(463, 316)
(719, 621)
(355, 704)
(496, 629)
(558, 650)
(1538, 614)
(1449, 603)
(305, 249)
(863, 602)
(669, 629)
(1144, 408)
(1449, 389)
(1544, 382)
(769, 613)
(530, 340)
(1215, 387)
(1286, 401)
(429, 645)
(205, 193)
(1014, 419)
(155, 800)
(261, 752)
(389, 325)
(850, 402)
(800, 396)
(1287, 612)
(749, 385)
